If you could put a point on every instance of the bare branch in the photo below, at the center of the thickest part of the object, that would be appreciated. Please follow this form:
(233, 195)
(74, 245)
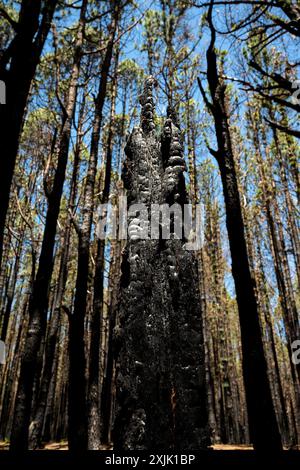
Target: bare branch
(8, 18)
(207, 102)
(284, 129)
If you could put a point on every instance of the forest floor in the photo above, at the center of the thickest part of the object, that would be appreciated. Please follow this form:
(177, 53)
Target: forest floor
(64, 446)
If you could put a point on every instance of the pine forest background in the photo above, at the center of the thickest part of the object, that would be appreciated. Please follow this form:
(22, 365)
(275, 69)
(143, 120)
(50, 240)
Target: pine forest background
(79, 68)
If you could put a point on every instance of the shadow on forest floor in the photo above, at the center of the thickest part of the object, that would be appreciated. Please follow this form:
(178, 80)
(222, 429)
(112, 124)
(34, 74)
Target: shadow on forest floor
(64, 446)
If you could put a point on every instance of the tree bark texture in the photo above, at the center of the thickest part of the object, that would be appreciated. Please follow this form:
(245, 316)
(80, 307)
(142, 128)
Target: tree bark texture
(22, 55)
(158, 337)
(263, 425)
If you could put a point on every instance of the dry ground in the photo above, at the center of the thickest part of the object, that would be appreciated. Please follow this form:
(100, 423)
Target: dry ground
(64, 446)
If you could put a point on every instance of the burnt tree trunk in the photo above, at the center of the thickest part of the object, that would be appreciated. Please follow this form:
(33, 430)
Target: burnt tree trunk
(83, 422)
(36, 425)
(158, 337)
(94, 419)
(263, 425)
(22, 55)
(38, 304)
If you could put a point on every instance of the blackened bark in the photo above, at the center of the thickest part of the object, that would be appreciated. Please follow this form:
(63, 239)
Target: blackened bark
(36, 426)
(292, 11)
(78, 436)
(158, 338)
(263, 426)
(22, 55)
(94, 407)
(266, 308)
(38, 304)
(108, 389)
(11, 290)
(106, 401)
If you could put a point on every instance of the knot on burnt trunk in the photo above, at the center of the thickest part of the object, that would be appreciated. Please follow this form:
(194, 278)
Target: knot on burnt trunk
(147, 103)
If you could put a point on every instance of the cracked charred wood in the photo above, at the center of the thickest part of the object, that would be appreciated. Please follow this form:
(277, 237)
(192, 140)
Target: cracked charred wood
(158, 337)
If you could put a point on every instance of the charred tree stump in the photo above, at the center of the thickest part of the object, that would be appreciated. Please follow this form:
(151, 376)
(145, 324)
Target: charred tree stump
(158, 336)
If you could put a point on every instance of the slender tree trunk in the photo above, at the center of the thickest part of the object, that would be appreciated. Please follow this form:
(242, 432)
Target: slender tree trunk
(36, 426)
(108, 390)
(266, 309)
(38, 305)
(94, 420)
(262, 419)
(78, 425)
(22, 55)
(12, 289)
(290, 207)
(278, 250)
